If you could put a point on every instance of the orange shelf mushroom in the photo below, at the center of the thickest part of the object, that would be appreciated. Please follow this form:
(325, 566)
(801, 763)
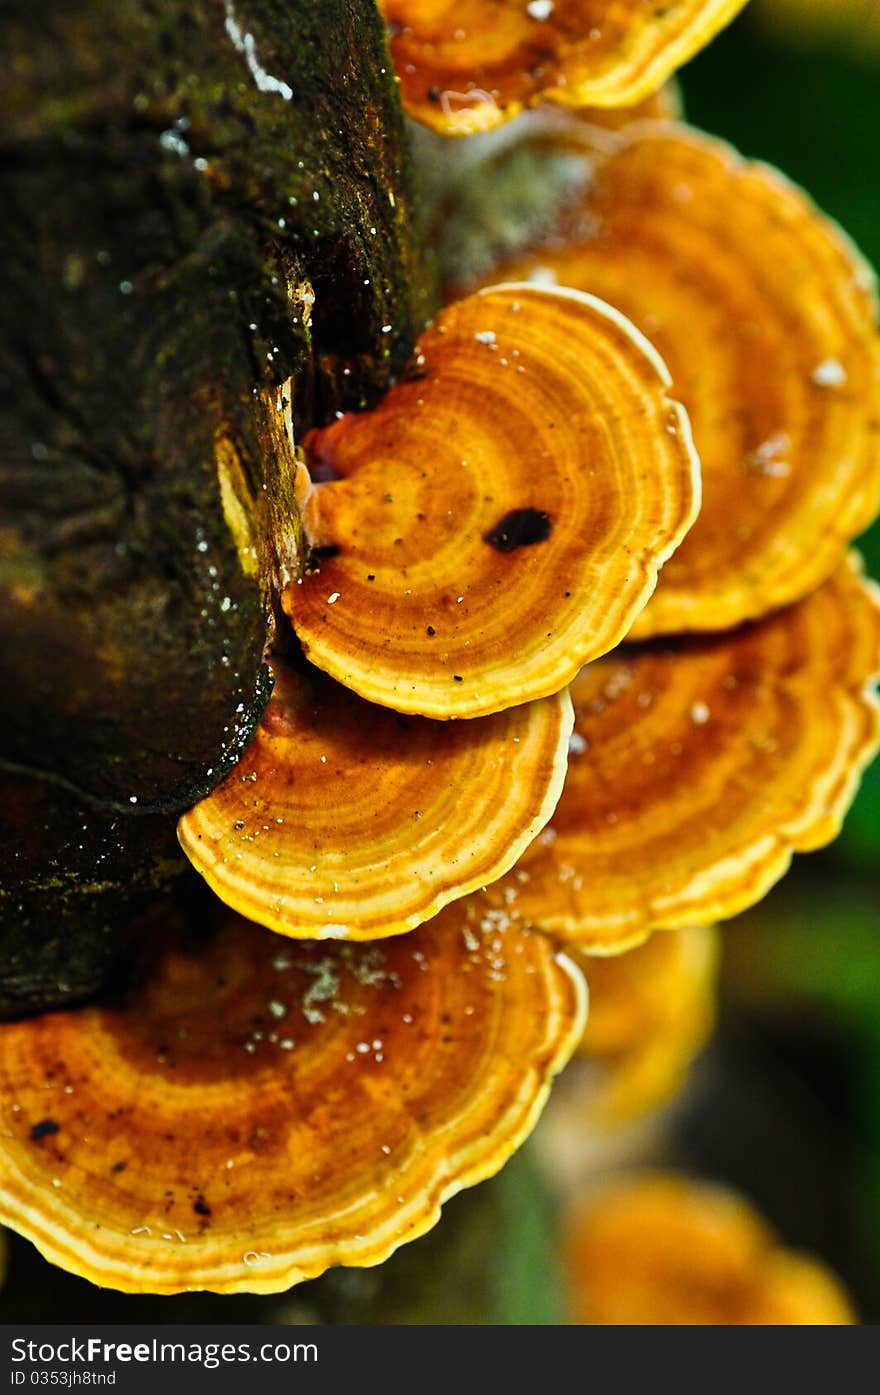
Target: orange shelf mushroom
(489, 197)
(666, 104)
(651, 1010)
(257, 1111)
(468, 65)
(700, 765)
(767, 317)
(347, 820)
(670, 1251)
(500, 518)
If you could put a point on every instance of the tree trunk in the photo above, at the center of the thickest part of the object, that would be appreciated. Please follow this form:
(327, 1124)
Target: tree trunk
(202, 200)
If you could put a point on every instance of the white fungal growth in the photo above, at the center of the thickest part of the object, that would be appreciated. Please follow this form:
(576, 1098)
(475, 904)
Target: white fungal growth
(170, 140)
(471, 941)
(769, 458)
(829, 373)
(462, 108)
(245, 45)
(368, 967)
(324, 989)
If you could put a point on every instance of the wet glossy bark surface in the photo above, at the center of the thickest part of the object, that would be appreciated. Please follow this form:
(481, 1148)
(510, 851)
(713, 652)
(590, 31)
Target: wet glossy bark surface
(184, 186)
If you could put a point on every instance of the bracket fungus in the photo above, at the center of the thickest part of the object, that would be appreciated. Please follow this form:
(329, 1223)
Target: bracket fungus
(257, 1111)
(651, 1010)
(500, 518)
(467, 65)
(664, 104)
(767, 317)
(704, 763)
(348, 820)
(662, 1249)
(248, 1108)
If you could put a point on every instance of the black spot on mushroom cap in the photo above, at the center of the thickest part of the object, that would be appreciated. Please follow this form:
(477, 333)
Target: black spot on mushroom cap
(44, 1129)
(320, 472)
(201, 1207)
(519, 528)
(322, 554)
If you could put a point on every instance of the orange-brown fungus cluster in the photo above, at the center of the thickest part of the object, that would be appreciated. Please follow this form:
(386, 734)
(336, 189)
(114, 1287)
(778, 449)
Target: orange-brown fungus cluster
(467, 65)
(666, 1250)
(766, 316)
(476, 612)
(259, 1110)
(349, 820)
(700, 765)
(500, 518)
(650, 1012)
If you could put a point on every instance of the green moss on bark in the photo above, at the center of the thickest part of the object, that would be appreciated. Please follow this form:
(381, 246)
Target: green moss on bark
(184, 185)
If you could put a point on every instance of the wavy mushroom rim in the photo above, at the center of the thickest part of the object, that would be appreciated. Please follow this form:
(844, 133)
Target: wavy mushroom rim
(639, 993)
(813, 423)
(664, 103)
(360, 661)
(857, 513)
(470, 103)
(692, 1251)
(410, 1223)
(642, 1063)
(35, 1207)
(315, 892)
(733, 882)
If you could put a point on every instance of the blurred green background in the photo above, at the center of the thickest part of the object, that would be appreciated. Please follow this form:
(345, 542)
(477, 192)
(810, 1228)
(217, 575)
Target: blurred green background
(785, 1102)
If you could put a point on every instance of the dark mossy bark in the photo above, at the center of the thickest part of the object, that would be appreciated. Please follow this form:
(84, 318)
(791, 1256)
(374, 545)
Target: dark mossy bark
(201, 200)
(75, 881)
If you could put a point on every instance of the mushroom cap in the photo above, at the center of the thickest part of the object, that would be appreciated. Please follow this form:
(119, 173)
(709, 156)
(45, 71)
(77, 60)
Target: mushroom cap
(651, 1009)
(488, 197)
(665, 104)
(667, 1250)
(468, 65)
(348, 820)
(699, 765)
(500, 517)
(797, 1291)
(257, 1111)
(767, 317)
